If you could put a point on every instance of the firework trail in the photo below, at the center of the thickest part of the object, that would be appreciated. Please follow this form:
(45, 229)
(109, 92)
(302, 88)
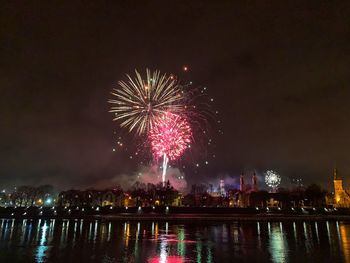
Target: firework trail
(139, 102)
(169, 138)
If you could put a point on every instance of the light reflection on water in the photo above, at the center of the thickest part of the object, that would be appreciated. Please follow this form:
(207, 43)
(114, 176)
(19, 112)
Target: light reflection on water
(161, 242)
(277, 245)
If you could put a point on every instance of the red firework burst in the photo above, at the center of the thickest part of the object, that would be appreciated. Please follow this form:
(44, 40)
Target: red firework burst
(170, 136)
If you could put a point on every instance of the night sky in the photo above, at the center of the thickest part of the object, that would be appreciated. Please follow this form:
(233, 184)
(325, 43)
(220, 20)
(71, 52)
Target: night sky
(278, 70)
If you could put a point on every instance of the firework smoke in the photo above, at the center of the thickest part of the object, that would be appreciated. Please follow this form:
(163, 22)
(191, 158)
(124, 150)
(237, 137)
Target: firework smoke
(146, 174)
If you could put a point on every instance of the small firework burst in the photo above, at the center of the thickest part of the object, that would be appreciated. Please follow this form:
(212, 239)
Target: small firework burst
(272, 179)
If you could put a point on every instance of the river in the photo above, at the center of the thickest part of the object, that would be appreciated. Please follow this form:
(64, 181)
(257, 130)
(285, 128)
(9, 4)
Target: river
(118, 241)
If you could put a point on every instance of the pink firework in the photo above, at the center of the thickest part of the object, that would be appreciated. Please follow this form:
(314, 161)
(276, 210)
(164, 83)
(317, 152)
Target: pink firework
(170, 136)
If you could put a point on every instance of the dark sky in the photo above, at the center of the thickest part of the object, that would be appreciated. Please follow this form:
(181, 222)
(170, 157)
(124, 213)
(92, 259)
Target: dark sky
(279, 71)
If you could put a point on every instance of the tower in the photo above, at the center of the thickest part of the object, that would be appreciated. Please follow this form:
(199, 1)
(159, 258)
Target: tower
(338, 187)
(241, 183)
(254, 183)
(222, 187)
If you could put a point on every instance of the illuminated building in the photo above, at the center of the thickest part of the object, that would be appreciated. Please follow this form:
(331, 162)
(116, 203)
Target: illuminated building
(112, 198)
(341, 195)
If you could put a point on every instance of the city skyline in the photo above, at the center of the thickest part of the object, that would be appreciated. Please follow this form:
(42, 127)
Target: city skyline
(278, 74)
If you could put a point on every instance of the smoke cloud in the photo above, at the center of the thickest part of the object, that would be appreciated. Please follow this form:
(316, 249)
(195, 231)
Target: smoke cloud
(147, 174)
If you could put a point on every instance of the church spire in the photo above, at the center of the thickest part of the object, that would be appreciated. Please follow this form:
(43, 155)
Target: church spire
(241, 183)
(335, 173)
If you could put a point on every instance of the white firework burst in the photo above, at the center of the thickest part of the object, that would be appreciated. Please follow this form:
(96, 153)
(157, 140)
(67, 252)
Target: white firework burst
(272, 179)
(139, 101)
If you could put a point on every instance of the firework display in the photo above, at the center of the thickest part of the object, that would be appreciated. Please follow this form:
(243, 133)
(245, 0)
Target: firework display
(164, 115)
(169, 138)
(272, 179)
(139, 102)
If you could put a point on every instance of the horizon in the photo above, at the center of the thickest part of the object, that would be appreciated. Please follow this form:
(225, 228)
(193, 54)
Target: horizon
(232, 183)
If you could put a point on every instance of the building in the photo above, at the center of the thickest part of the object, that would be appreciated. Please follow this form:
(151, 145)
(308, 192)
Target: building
(91, 197)
(243, 197)
(222, 188)
(341, 195)
(199, 189)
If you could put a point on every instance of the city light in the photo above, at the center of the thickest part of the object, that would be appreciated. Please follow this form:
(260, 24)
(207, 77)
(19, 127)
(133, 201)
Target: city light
(48, 201)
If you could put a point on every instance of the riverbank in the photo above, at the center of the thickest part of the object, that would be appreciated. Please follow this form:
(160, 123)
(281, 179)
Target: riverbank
(190, 218)
(183, 214)
(220, 218)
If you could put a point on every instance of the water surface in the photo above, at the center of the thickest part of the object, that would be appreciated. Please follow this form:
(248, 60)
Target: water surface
(117, 241)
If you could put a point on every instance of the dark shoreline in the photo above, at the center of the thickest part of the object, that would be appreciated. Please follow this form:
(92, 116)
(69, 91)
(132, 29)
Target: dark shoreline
(240, 218)
(191, 217)
(183, 214)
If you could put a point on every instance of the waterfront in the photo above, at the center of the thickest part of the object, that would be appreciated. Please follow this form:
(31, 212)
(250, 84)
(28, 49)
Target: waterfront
(116, 241)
